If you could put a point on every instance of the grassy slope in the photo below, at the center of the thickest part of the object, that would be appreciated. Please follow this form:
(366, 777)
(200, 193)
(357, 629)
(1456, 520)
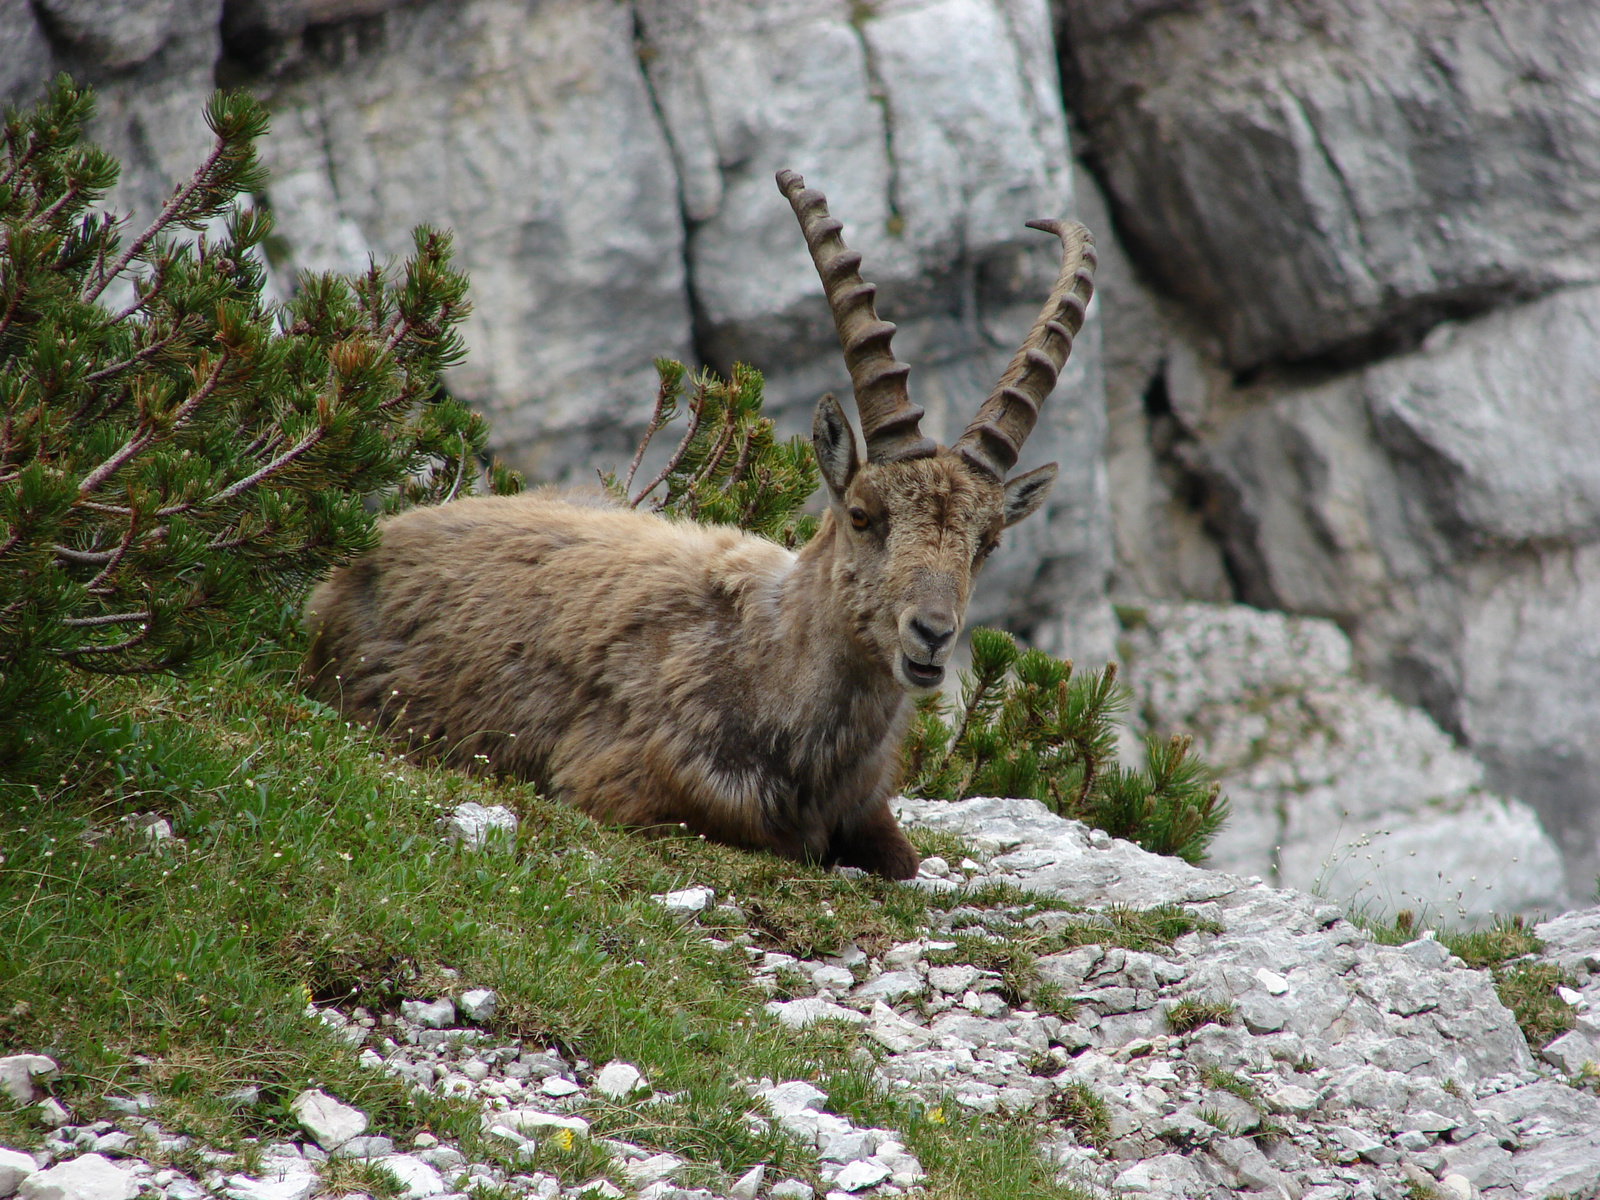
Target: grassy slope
(310, 866)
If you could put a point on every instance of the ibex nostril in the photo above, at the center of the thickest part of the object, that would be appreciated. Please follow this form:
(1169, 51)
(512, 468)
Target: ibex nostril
(934, 638)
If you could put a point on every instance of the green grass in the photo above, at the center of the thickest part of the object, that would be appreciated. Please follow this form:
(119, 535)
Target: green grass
(1078, 1108)
(995, 1158)
(307, 865)
(1502, 941)
(1189, 1014)
(1216, 1120)
(1227, 1081)
(342, 1176)
(1528, 989)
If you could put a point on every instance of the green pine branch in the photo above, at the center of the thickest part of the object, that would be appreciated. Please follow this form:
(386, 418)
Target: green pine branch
(1028, 726)
(727, 468)
(174, 468)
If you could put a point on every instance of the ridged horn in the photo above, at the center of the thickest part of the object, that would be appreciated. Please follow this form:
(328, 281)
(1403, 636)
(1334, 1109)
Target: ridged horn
(889, 421)
(994, 439)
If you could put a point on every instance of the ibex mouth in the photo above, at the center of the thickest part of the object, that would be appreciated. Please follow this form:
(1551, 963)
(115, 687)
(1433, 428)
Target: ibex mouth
(922, 675)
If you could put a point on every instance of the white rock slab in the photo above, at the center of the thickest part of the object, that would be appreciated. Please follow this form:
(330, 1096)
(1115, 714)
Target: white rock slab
(835, 979)
(365, 1147)
(556, 1086)
(477, 827)
(1572, 1052)
(478, 1005)
(1272, 981)
(792, 1097)
(534, 1121)
(19, 1073)
(328, 1120)
(619, 1080)
(893, 1032)
(87, 1177)
(646, 1171)
(15, 1166)
(860, 1175)
(684, 904)
(797, 1014)
(435, 1014)
(952, 980)
(748, 1185)
(297, 1185)
(417, 1178)
(892, 986)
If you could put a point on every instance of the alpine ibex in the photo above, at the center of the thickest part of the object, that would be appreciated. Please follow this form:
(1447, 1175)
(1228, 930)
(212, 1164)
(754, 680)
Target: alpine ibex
(656, 673)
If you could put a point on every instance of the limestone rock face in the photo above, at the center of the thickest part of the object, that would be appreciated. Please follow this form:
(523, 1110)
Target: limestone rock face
(118, 33)
(1321, 175)
(1152, 371)
(933, 179)
(1445, 504)
(152, 64)
(1334, 785)
(1362, 184)
(249, 26)
(528, 130)
(24, 54)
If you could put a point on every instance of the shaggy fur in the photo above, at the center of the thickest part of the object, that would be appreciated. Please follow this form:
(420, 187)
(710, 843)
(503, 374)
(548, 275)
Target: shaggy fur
(657, 673)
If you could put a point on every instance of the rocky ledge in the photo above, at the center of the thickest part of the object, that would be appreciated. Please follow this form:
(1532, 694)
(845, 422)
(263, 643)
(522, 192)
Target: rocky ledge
(1370, 1069)
(1276, 1048)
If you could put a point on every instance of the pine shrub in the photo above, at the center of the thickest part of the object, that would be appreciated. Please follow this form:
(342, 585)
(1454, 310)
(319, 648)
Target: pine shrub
(1026, 726)
(727, 468)
(181, 460)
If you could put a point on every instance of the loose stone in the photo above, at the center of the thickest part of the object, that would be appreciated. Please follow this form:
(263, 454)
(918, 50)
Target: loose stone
(88, 1177)
(431, 1014)
(326, 1119)
(619, 1081)
(20, 1072)
(477, 1005)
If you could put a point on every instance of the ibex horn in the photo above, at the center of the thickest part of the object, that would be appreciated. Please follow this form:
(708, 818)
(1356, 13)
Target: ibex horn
(889, 421)
(994, 439)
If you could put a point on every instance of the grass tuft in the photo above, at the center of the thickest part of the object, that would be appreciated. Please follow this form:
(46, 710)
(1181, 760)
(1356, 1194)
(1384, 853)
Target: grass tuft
(1528, 989)
(1190, 1014)
(1076, 1106)
(1502, 941)
(1226, 1081)
(341, 1176)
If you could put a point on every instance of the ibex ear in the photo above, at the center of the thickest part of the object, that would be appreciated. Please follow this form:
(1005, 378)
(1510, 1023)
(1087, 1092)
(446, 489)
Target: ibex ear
(835, 444)
(1027, 492)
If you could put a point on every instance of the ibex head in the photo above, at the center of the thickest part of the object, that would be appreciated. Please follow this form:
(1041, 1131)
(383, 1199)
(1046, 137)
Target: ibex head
(914, 522)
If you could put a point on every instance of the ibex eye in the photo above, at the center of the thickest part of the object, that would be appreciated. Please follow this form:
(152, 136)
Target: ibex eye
(859, 518)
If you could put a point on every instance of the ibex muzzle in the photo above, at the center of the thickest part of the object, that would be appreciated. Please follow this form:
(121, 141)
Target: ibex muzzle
(659, 674)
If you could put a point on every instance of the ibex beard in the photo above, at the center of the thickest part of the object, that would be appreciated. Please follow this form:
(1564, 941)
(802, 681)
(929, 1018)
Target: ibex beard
(660, 674)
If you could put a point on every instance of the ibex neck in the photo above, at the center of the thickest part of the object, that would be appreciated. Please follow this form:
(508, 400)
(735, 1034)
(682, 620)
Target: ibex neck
(842, 687)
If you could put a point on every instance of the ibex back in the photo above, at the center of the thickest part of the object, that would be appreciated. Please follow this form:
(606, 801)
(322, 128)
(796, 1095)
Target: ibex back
(657, 673)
